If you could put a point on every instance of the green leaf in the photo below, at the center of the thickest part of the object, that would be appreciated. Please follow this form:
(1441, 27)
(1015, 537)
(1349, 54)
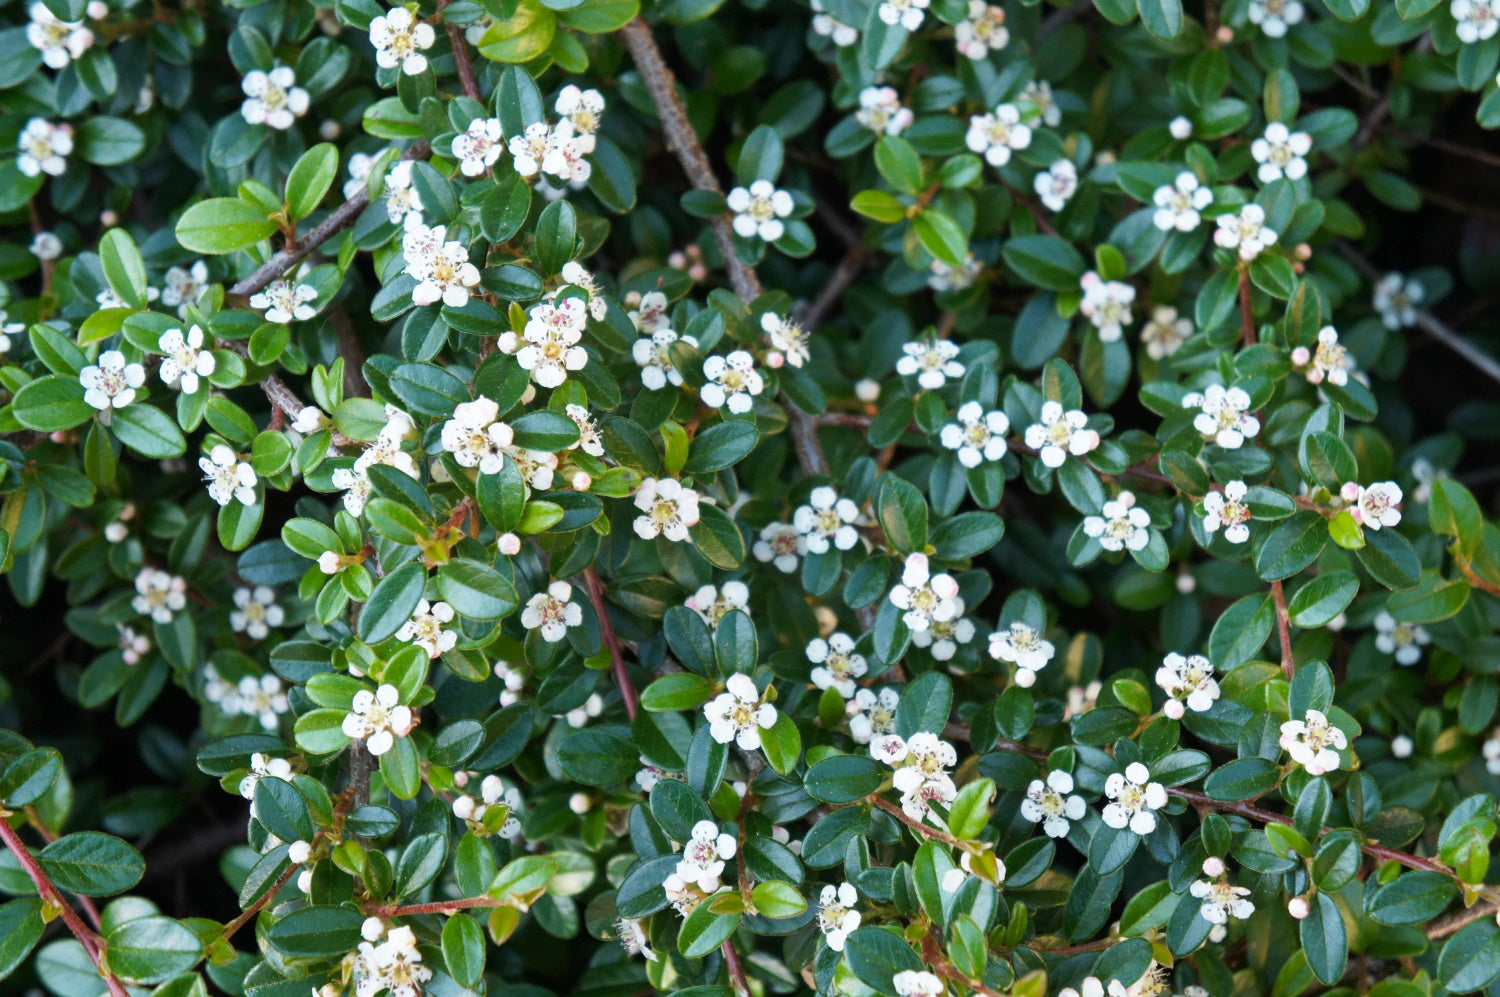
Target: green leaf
(281, 807)
(782, 744)
(311, 177)
(108, 141)
(51, 404)
(899, 164)
(464, 950)
(1241, 631)
(597, 757)
(1454, 512)
(903, 514)
(704, 930)
(718, 538)
(1163, 18)
(1045, 261)
(875, 955)
(476, 591)
(1325, 942)
(29, 777)
(556, 236)
(682, 691)
(152, 949)
(1411, 898)
(720, 446)
(760, 156)
(941, 236)
(970, 811)
(1241, 779)
(1431, 601)
(1390, 560)
(222, 225)
(421, 861)
(925, 705)
(775, 899)
(123, 267)
(92, 863)
(1322, 599)
(317, 932)
(521, 37)
(149, 431)
(1292, 546)
(392, 603)
(21, 926)
(844, 778)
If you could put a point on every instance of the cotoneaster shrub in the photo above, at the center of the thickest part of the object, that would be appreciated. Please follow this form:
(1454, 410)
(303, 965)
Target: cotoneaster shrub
(904, 497)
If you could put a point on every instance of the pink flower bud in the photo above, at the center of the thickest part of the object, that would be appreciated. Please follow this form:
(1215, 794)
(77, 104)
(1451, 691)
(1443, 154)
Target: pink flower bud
(1301, 356)
(1298, 907)
(1350, 491)
(1173, 709)
(1213, 866)
(581, 481)
(775, 359)
(329, 562)
(510, 544)
(1225, 35)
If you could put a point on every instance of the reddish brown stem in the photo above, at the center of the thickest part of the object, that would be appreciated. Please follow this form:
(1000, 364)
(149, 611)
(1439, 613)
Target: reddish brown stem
(465, 67)
(255, 908)
(916, 825)
(1283, 627)
(737, 978)
(612, 641)
(50, 894)
(1247, 320)
(435, 907)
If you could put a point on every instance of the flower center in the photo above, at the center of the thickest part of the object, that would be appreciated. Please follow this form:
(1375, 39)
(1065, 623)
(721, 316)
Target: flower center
(743, 713)
(1059, 433)
(664, 511)
(1049, 801)
(761, 209)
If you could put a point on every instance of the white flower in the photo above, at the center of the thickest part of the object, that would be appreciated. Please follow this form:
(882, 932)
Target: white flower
(262, 767)
(158, 594)
(403, 205)
(823, 24)
(982, 32)
(400, 40)
(1090, 987)
(185, 287)
(1275, 16)
(1477, 19)
(977, 436)
(1397, 298)
(378, 719)
(107, 298)
(273, 99)
(1313, 743)
(933, 361)
(444, 272)
(788, 341)
(1377, 505)
(1059, 434)
(228, 477)
(926, 598)
(133, 646)
(912, 983)
(1221, 901)
(943, 636)
(780, 544)
(1107, 305)
(1058, 184)
(907, 13)
(668, 509)
(536, 466)
(361, 164)
(263, 698)
(1180, 204)
(838, 664)
(1121, 524)
(1245, 231)
(43, 148)
(923, 779)
(1021, 644)
(186, 359)
(732, 381)
(479, 146)
(880, 109)
(997, 134)
(1153, 982)
(871, 715)
(704, 854)
(492, 794)
(633, 938)
(583, 109)
(738, 713)
(942, 277)
(551, 337)
(712, 604)
(552, 612)
(111, 383)
(1180, 128)
(565, 152)
(589, 440)
(255, 612)
(837, 918)
(652, 355)
(1187, 680)
(1165, 333)
(1136, 798)
(827, 519)
(1402, 640)
(282, 301)
(1049, 804)
(1225, 415)
(60, 42)
(45, 246)
(758, 211)
(531, 147)
(425, 628)
(1402, 746)
(1491, 751)
(394, 965)
(1228, 509)
(475, 438)
(1038, 95)
(1280, 153)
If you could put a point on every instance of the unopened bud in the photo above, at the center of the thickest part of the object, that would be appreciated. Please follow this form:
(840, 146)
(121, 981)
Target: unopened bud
(1186, 583)
(1173, 709)
(1350, 491)
(329, 130)
(116, 532)
(867, 390)
(108, 218)
(372, 929)
(98, 10)
(581, 481)
(463, 807)
(775, 359)
(304, 880)
(299, 852)
(329, 562)
(1298, 907)
(1225, 35)
(1301, 356)
(1213, 866)
(1303, 251)
(580, 803)
(1180, 127)
(510, 544)
(1402, 746)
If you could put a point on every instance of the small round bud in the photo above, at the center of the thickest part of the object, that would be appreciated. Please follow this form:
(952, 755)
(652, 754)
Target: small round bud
(460, 778)
(1402, 746)
(304, 880)
(1186, 583)
(1303, 251)
(739, 789)
(867, 390)
(1350, 491)
(510, 544)
(299, 852)
(1337, 623)
(580, 803)
(463, 807)
(529, 395)
(329, 562)
(1025, 678)
(1298, 907)
(108, 218)
(1173, 709)
(1105, 157)
(329, 130)
(1225, 35)
(116, 532)
(1213, 866)
(775, 359)
(828, 620)
(581, 481)
(1180, 127)
(1301, 356)
(98, 10)
(372, 929)
(677, 260)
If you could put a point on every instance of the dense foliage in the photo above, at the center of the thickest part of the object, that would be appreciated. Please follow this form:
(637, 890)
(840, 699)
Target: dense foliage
(901, 497)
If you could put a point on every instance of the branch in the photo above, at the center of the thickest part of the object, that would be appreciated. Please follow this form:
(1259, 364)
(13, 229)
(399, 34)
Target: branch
(52, 896)
(1430, 323)
(916, 825)
(736, 972)
(255, 908)
(838, 282)
(612, 641)
(1247, 319)
(1288, 662)
(1458, 920)
(435, 907)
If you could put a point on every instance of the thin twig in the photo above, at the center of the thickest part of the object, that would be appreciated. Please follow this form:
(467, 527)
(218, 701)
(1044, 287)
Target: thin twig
(916, 825)
(1283, 627)
(1429, 322)
(53, 896)
(1247, 318)
(1459, 919)
(737, 978)
(838, 282)
(255, 908)
(612, 641)
(1055, 21)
